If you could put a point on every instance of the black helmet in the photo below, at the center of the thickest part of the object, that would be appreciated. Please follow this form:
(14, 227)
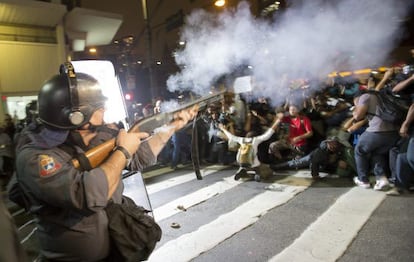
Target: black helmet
(67, 101)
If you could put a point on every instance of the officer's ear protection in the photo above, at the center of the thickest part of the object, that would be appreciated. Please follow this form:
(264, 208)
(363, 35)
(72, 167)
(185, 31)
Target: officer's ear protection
(76, 117)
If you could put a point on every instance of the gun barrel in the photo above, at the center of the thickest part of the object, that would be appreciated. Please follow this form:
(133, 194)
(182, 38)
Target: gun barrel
(98, 154)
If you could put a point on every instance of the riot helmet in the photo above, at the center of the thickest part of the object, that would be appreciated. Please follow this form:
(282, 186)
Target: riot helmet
(68, 100)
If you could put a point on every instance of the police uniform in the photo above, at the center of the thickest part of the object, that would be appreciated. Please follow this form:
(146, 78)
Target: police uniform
(69, 204)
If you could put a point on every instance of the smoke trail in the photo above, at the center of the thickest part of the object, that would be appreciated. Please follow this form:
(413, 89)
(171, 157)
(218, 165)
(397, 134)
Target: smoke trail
(309, 39)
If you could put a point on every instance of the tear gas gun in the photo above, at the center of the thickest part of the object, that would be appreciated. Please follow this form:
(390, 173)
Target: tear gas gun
(95, 156)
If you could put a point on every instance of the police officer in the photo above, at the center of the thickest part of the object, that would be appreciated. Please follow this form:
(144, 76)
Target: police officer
(68, 202)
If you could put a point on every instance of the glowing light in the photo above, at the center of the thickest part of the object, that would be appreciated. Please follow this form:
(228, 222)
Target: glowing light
(220, 3)
(92, 50)
(128, 97)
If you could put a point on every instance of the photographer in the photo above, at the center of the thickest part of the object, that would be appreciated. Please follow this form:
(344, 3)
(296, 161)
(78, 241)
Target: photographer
(219, 151)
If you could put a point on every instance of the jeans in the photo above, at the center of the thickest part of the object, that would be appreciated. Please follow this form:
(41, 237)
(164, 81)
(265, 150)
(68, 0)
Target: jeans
(403, 172)
(372, 152)
(404, 166)
(181, 148)
(410, 151)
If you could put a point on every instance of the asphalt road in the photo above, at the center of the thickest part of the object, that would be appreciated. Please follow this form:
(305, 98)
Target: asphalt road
(288, 217)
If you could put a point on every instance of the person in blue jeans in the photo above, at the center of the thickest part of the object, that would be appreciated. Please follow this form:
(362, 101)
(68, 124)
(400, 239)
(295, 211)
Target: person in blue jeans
(371, 151)
(404, 162)
(181, 148)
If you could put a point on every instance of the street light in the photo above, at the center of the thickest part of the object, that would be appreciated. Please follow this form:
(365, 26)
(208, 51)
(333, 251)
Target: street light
(219, 3)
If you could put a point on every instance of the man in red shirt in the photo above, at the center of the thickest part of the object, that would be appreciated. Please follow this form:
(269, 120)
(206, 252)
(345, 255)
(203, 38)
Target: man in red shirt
(294, 130)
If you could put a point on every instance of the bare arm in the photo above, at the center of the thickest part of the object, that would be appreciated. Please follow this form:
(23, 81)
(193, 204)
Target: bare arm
(247, 124)
(356, 125)
(160, 138)
(306, 135)
(117, 161)
(387, 75)
(277, 121)
(403, 84)
(408, 121)
(360, 111)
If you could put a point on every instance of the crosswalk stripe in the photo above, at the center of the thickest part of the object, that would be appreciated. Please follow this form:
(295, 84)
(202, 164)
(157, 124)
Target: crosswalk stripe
(177, 180)
(329, 236)
(190, 245)
(194, 198)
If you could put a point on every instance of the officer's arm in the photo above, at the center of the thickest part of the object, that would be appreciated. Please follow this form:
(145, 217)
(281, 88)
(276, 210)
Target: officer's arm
(127, 144)
(163, 134)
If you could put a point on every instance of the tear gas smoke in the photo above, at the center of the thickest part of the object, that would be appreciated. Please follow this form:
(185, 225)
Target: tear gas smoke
(308, 40)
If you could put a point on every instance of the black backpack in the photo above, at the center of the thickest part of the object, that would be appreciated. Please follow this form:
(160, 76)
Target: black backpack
(391, 107)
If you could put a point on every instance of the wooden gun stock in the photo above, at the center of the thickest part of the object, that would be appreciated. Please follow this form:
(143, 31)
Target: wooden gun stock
(98, 154)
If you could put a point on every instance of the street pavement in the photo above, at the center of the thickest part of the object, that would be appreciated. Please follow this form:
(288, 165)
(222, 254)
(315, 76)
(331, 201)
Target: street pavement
(288, 217)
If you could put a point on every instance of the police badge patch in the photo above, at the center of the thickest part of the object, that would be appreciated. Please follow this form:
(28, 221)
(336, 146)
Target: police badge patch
(47, 165)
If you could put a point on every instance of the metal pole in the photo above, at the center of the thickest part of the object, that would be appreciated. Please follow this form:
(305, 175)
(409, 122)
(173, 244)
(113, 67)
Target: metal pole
(152, 87)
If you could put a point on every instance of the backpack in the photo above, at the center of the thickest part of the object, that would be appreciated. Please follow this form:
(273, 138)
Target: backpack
(134, 234)
(246, 154)
(391, 108)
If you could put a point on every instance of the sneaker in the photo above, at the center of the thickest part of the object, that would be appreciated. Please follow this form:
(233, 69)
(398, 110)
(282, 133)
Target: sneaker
(382, 184)
(361, 183)
(240, 173)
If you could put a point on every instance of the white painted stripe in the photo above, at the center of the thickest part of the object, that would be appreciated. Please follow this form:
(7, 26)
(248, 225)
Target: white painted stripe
(329, 236)
(191, 245)
(194, 198)
(177, 180)
(303, 173)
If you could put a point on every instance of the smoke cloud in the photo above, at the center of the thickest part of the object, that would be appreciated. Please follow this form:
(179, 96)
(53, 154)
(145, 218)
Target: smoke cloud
(310, 40)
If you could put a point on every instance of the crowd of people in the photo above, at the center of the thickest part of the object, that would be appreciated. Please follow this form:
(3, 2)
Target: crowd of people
(332, 125)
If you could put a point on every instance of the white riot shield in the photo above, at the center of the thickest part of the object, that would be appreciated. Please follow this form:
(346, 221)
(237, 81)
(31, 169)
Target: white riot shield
(104, 72)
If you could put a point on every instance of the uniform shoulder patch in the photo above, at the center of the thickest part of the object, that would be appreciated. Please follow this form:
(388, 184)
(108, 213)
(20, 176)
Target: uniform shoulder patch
(48, 165)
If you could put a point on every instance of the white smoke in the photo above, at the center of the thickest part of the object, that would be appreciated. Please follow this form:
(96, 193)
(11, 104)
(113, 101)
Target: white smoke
(308, 40)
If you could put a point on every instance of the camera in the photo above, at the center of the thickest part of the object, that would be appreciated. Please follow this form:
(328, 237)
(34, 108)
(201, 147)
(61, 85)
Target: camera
(408, 69)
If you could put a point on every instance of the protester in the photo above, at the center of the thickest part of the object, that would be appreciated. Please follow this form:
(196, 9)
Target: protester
(247, 153)
(371, 151)
(299, 130)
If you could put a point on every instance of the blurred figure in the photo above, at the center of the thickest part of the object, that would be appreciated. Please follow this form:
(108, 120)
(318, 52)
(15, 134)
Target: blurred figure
(157, 106)
(11, 250)
(31, 114)
(9, 127)
(6, 157)
(148, 110)
(218, 150)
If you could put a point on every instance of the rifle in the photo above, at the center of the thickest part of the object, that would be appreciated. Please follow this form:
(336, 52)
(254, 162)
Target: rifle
(98, 154)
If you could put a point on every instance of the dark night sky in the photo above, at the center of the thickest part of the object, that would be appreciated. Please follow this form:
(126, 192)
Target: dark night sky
(130, 10)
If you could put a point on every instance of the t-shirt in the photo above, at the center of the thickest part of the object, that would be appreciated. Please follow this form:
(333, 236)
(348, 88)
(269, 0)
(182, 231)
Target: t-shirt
(297, 127)
(375, 124)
